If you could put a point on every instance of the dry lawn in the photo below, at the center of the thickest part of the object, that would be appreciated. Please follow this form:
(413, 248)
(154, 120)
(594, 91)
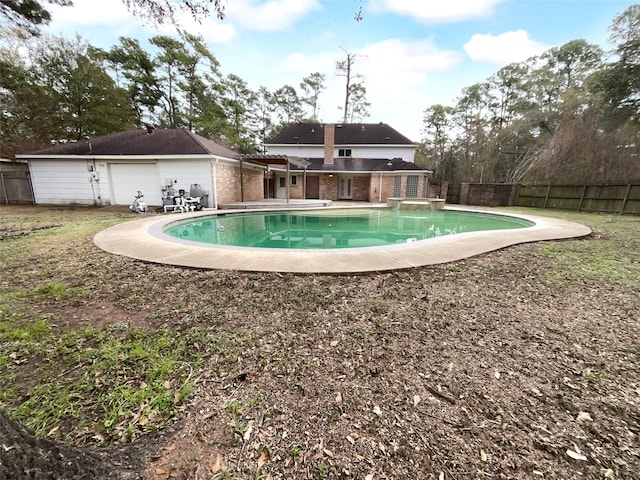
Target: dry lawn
(521, 363)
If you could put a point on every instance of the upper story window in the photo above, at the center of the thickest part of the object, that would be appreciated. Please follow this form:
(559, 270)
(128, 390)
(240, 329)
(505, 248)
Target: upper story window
(344, 152)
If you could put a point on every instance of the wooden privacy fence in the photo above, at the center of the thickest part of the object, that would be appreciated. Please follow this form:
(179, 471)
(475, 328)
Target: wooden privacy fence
(587, 198)
(15, 187)
(618, 198)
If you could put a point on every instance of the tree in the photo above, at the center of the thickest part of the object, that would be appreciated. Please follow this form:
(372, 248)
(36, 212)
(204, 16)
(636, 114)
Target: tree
(619, 83)
(239, 105)
(137, 68)
(28, 15)
(344, 68)
(312, 85)
(574, 61)
(358, 104)
(436, 122)
(264, 107)
(61, 92)
(288, 108)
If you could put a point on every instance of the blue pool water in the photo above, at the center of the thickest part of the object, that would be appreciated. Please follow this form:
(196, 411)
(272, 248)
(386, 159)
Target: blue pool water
(335, 228)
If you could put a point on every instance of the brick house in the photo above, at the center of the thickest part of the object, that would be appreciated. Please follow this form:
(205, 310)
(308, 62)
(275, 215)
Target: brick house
(357, 161)
(110, 169)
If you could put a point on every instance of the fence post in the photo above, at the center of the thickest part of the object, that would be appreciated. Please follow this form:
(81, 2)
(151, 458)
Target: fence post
(546, 198)
(4, 189)
(584, 188)
(624, 200)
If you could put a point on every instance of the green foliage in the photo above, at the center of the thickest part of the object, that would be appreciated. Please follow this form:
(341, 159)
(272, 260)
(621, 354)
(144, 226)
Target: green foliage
(562, 116)
(127, 381)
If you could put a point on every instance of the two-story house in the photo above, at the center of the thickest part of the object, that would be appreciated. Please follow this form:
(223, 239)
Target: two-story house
(356, 161)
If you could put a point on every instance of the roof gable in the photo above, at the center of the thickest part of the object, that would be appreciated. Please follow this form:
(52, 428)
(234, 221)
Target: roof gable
(160, 142)
(345, 134)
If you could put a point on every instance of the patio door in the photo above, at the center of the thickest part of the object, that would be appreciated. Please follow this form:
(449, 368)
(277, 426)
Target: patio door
(281, 188)
(345, 188)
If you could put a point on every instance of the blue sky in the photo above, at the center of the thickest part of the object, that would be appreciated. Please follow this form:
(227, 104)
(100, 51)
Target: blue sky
(411, 53)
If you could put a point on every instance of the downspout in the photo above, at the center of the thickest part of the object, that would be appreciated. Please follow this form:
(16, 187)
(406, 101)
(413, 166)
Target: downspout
(241, 181)
(288, 180)
(215, 184)
(304, 183)
(97, 181)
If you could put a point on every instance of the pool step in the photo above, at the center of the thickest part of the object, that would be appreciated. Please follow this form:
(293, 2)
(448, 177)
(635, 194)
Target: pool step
(416, 203)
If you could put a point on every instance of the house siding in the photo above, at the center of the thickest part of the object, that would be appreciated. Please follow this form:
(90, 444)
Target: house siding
(406, 153)
(66, 182)
(185, 173)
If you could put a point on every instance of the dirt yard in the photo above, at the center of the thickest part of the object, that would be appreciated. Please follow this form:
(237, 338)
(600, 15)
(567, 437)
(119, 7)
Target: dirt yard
(519, 364)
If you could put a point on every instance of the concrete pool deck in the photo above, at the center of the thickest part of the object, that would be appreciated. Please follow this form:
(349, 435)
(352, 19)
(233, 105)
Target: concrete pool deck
(142, 239)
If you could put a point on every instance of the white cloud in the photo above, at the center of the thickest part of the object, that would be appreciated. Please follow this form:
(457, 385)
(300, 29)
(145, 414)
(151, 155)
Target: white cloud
(438, 10)
(503, 49)
(210, 29)
(270, 15)
(396, 74)
(89, 12)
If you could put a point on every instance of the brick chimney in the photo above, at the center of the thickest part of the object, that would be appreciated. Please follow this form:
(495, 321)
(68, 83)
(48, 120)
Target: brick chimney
(329, 142)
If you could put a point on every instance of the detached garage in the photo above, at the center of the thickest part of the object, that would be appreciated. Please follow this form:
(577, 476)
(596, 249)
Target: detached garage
(109, 170)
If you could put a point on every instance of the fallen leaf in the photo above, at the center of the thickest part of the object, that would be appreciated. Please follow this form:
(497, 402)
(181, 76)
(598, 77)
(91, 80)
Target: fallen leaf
(264, 458)
(584, 417)
(247, 432)
(416, 400)
(351, 440)
(166, 384)
(217, 465)
(143, 385)
(328, 453)
(334, 343)
(483, 456)
(497, 375)
(369, 477)
(608, 473)
(339, 398)
(377, 411)
(441, 476)
(576, 455)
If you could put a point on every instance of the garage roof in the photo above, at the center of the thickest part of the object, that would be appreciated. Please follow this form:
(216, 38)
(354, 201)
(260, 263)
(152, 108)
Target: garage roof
(148, 141)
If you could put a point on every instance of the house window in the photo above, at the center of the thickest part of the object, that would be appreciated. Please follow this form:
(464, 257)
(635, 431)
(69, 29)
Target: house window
(412, 186)
(294, 179)
(344, 152)
(281, 181)
(396, 186)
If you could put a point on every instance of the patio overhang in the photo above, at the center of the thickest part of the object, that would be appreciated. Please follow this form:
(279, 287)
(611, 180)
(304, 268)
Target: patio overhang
(271, 160)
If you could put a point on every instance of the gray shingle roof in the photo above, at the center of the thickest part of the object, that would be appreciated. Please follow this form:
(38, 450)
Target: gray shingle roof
(138, 142)
(359, 165)
(345, 134)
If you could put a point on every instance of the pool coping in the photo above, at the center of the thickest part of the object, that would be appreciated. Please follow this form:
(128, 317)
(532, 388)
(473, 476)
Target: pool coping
(140, 239)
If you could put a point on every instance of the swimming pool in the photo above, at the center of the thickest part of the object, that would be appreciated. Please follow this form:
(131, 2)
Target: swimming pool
(144, 239)
(330, 229)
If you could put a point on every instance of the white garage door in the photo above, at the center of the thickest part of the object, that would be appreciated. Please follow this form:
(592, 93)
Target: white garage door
(128, 178)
